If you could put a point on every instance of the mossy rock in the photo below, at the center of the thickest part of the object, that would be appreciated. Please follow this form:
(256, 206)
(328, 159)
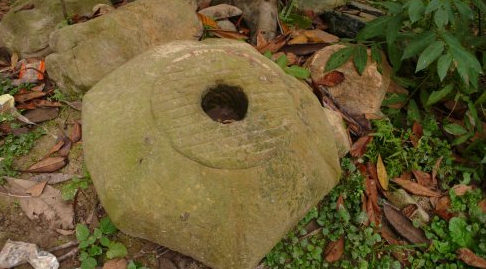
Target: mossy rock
(167, 170)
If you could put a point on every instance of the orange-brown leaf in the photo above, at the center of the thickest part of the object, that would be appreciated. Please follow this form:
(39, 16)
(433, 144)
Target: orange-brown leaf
(358, 149)
(442, 208)
(381, 172)
(37, 189)
(334, 250)
(461, 189)
(409, 210)
(435, 169)
(469, 258)
(46, 103)
(416, 188)
(274, 45)
(76, 132)
(55, 148)
(207, 21)
(331, 79)
(482, 205)
(22, 98)
(339, 202)
(48, 165)
(423, 178)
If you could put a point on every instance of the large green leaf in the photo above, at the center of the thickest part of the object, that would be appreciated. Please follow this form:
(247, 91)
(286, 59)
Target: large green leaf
(89, 263)
(450, 12)
(282, 61)
(455, 129)
(82, 232)
(465, 61)
(374, 28)
(443, 65)
(433, 6)
(297, 71)
(116, 250)
(416, 10)
(395, 56)
(480, 4)
(441, 18)
(338, 58)
(376, 54)
(464, 9)
(418, 44)
(106, 226)
(360, 57)
(460, 233)
(393, 28)
(430, 54)
(436, 96)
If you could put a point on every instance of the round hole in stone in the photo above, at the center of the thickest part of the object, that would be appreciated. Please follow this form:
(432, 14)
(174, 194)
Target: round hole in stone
(224, 103)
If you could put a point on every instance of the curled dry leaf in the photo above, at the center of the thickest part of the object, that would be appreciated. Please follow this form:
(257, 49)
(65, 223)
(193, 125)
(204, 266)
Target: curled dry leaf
(461, 189)
(358, 149)
(76, 133)
(382, 174)
(469, 258)
(334, 250)
(404, 226)
(48, 165)
(416, 188)
(331, 79)
(275, 45)
(207, 21)
(22, 98)
(424, 179)
(442, 208)
(55, 148)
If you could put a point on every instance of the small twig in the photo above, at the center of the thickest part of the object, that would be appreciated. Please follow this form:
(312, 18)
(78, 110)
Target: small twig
(316, 231)
(68, 255)
(64, 246)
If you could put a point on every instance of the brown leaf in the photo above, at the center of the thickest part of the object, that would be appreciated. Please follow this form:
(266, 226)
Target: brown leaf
(76, 132)
(275, 45)
(37, 189)
(66, 148)
(423, 178)
(22, 98)
(416, 188)
(55, 148)
(442, 208)
(76, 105)
(65, 232)
(42, 114)
(303, 49)
(331, 79)
(435, 169)
(482, 205)
(46, 103)
(48, 165)
(461, 189)
(372, 214)
(115, 264)
(300, 39)
(417, 130)
(358, 149)
(339, 202)
(227, 34)
(52, 178)
(26, 106)
(334, 250)
(319, 36)
(381, 172)
(404, 226)
(38, 88)
(469, 258)
(389, 236)
(207, 21)
(409, 210)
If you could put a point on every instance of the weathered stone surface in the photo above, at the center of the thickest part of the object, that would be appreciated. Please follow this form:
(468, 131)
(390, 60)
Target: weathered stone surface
(341, 137)
(224, 194)
(358, 94)
(86, 52)
(27, 31)
(318, 6)
(221, 11)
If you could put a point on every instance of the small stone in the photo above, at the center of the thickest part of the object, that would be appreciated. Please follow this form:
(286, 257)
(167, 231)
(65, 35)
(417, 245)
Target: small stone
(359, 94)
(221, 12)
(226, 25)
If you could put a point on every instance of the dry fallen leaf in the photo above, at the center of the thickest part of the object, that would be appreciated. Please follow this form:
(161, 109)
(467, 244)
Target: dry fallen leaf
(423, 179)
(435, 169)
(403, 225)
(339, 202)
(42, 114)
(358, 149)
(461, 189)
(275, 45)
(390, 238)
(381, 171)
(416, 188)
(227, 34)
(49, 205)
(53, 178)
(14, 60)
(46, 103)
(442, 208)
(331, 79)
(319, 36)
(115, 264)
(22, 98)
(300, 39)
(482, 205)
(37, 189)
(55, 148)
(410, 210)
(48, 165)
(469, 258)
(334, 250)
(207, 21)
(76, 133)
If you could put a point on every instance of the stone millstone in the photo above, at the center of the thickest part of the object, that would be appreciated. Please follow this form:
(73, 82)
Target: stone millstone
(25, 29)
(224, 194)
(84, 53)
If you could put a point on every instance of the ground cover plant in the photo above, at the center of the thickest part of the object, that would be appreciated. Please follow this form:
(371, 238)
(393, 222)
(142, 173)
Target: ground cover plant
(412, 191)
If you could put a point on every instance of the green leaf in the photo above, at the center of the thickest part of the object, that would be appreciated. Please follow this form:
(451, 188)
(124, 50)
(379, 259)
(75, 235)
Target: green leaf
(441, 18)
(436, 96)
(455, 129)
(373, 28)
(474, 114)
(416, 10)
(395, 98)
(465, 61)
(413, 111)
(393, 28)
(68, 191)
(297, 71)
(376, 54)
(82, 232)
(83, 244)
(418, 44)
(464, 9)
(91, 240)
(88, 263)
(268, 54)
(450, 13)
(95, 251)
(360, 57)
(338, 58)
(106, 226)
(131, 265)
(480, 4)
(282, 61)
(83, 255)
(116, 250)
(104, 241)
(395, 55)
(433, 6)
(430, 54)
(393, 7)
(97, 233)
(443, 65)
(462, 139)
(460, 232)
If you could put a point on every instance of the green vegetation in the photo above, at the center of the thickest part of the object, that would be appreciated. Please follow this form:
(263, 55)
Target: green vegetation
(70, 190)
(94, 246)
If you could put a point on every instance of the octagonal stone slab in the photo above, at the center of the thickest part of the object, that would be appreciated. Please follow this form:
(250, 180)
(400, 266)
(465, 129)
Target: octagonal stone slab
(224, 194)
